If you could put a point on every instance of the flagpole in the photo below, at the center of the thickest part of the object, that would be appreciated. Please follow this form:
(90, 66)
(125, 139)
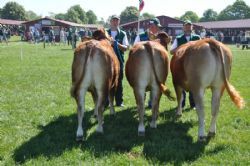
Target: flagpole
(138, 22)
(141, 5)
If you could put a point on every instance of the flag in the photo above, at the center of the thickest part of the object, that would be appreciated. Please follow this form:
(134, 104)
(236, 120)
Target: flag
(141, 5)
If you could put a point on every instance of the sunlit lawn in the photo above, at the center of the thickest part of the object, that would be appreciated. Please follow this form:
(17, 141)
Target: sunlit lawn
(38, 118)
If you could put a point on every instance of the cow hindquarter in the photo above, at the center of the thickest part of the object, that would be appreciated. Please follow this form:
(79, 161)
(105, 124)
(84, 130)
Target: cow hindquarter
(141, 76)
(203, 69)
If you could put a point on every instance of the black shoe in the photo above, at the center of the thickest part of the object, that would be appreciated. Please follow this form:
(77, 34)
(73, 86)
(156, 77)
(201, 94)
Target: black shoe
(120, 105)
(193, 108)
(149, 104)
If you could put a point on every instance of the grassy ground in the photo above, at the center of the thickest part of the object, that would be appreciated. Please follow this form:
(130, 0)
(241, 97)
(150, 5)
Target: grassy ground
(38, 118)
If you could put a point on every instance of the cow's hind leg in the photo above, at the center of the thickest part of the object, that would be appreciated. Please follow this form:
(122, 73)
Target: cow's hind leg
(216, 94)
(139, 96)
(179, 95)
(100, 108)
(111, 101)
(94, 96)
(156, 95)
(198, 95)
(80, 113)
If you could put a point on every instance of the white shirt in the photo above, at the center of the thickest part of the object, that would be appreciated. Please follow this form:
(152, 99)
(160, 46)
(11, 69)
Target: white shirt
(175, 44)
(61, 33)
(125, 38)
(137, 39)
(203, 34)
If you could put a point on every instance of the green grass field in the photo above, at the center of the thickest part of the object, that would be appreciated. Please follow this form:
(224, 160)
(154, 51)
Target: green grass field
(38, 118)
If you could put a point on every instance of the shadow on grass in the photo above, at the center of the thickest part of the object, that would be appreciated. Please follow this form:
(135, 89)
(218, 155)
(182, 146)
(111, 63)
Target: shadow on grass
(66, 49)
(170, 142)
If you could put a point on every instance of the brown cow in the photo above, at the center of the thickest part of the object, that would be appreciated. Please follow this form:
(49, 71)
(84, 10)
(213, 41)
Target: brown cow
(147, 69)
(95, 69)
(199, 65)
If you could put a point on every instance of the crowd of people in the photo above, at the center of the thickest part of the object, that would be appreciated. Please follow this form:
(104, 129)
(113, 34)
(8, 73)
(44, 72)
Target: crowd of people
(70, 36)
(5, 33)
(66, 36)
(238, 37)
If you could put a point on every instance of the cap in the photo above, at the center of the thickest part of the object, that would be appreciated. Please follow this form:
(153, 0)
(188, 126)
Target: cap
(155, 21)
(187, 22)
(115, 17)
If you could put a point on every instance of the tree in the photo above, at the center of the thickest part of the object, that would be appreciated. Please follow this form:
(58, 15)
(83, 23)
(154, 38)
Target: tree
(209, 15)
(92, 18)
(101, 21)
(190, 15)
(73, 16)
(177, 18)
(239, 10)
(14, 11)
(147, 15)
(60, 16)
(32, 15)
(76, 14)
(106, 24)
(129, 14)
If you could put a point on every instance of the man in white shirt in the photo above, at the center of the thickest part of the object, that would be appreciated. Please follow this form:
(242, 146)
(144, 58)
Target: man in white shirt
(120, 45)
(180, 40)
(151, 33)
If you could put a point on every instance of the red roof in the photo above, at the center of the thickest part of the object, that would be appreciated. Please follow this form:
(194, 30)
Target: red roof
(68, 23)
(10, 22)
(243, 23)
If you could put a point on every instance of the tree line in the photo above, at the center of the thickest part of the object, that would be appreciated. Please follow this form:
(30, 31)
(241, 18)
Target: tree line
(12, 10)
(15, 11)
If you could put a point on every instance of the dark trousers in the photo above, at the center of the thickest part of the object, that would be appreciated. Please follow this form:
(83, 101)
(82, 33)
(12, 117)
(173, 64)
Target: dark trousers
(244, 45)
(119, 91)
(191, 99)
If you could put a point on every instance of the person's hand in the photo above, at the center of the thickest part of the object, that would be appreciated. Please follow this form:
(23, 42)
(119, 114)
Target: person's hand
(112, 41)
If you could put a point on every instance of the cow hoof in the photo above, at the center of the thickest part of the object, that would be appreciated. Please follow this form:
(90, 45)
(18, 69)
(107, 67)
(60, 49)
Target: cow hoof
(141, 133)
(79, 138)
(202, 139)
(211, 134)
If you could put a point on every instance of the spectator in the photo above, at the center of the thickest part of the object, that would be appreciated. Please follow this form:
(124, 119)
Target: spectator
(69, 36)
(37, 35)
(1, 33)
(81, 33)
(62, 36)
(243, 40)
(5, 38)
(52, 36)
(74, 38)
(203, 33)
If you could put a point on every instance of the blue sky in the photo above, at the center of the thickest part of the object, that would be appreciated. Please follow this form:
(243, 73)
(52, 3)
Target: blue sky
(105, 8)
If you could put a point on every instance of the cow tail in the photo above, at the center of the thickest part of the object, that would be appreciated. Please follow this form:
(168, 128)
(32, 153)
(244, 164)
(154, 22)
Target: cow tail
(233, 93)
(163, 87)
(77, 83)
